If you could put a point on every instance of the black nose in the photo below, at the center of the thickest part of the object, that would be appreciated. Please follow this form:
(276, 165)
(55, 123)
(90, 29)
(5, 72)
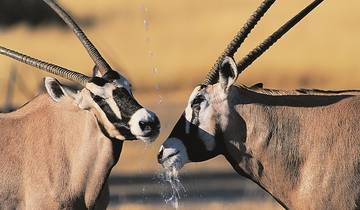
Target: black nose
(151, 125)
(160, 155)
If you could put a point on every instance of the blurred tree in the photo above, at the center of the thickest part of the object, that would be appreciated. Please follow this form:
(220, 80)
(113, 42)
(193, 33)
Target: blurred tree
(33, 12)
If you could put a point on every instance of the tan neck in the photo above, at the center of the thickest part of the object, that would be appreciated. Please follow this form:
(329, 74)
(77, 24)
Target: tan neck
(73, 155)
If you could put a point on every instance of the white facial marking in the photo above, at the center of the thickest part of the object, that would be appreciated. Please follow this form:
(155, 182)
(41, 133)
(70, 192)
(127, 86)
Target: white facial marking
(188, 109)
(102, 91)
(174, 154)
(114, 107)
(206, 130)
(110, 128)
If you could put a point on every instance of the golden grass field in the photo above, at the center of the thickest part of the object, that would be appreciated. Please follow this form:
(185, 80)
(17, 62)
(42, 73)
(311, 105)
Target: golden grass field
(182, 40)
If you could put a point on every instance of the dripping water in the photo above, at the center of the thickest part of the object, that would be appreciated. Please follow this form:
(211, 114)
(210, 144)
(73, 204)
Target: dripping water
(176, 191)
(155, 72)
(151, 53)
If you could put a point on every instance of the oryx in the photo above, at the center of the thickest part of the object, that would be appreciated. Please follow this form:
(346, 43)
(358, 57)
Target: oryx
(57, 151)
(303, 147)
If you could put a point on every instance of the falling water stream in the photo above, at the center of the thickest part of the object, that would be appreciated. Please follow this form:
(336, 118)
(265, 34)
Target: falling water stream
(177, 191)
(170, 176)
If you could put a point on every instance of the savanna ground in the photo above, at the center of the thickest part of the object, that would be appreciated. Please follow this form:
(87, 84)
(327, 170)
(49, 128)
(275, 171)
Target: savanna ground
(166, 47)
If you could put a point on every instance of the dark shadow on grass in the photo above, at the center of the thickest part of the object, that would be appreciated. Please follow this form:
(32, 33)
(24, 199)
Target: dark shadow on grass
(200, 187)
(34, 13)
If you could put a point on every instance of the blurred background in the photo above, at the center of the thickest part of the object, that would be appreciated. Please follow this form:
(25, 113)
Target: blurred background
(165, 48)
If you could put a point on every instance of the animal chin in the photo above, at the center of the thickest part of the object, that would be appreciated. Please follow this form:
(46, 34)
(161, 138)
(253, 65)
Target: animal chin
(174, 161)
(148, 139)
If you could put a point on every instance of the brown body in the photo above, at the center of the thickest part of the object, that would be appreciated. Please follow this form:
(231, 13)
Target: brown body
(53, 155)
(300, 146)
(303, 149)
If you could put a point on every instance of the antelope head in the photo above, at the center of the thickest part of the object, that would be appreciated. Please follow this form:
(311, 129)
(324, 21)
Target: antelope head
(107, 94)
(199, 133)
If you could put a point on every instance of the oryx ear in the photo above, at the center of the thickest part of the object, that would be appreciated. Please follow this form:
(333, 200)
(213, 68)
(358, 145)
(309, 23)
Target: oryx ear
(56, 90)
(96, 72)
(228, 73)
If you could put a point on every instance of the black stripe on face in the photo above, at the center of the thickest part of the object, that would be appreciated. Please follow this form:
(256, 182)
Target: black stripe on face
(195, 146)
(126, 103)
(195, 106)
(111, 75)
(105, 107)
(98, 81)
(119, 124)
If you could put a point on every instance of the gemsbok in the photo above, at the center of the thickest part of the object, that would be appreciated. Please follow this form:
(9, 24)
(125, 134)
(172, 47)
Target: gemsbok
(57, 151)
(302, 147)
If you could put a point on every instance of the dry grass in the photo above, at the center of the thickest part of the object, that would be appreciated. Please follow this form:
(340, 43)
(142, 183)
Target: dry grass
(185, 38)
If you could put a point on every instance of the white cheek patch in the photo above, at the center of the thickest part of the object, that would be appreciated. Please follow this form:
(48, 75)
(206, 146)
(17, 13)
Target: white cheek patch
(188, 116)
(114, 107)
(110, 128)
(189, 111)
(85, 101)
(207, 128)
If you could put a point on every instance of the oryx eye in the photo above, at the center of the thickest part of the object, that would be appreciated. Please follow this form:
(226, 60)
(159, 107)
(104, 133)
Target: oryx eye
(197, 101)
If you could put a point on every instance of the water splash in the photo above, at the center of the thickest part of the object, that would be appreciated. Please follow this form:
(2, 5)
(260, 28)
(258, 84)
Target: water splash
(171, 176)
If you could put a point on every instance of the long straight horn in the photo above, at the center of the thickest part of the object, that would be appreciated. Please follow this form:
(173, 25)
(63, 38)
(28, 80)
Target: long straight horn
(258, 51)
(239, 38)
(51, 68)
(93, 52)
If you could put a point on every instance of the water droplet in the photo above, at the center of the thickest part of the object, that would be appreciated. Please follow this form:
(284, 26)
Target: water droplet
(146, 24)
(151, 54)
(160, 99)
(155, 70)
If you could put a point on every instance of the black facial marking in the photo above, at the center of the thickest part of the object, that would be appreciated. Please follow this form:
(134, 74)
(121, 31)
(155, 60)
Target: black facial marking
(124, 129)
(195, 147)
(120, 124)
(195, 106)
(98, 81)
(105, 107)
(56, 89)
(126, 103)
(202, 86)
(111, 75)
